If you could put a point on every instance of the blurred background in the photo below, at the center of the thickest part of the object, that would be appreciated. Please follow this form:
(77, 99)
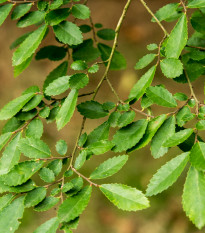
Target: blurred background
(166, 214)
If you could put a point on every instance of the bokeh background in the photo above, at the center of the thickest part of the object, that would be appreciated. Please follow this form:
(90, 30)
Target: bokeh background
(166, 214)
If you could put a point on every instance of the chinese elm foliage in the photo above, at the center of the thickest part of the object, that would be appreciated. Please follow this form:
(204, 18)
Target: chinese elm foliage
(83, 48)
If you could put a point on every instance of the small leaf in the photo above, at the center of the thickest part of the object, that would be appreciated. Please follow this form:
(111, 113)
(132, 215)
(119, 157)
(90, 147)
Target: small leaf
(109, 167)
(78, 81)
(49, 226)
(55, 166)
(80, 160)
(20, 10)
(177, 39)
(33, 103)
(184, 115)
(55, 4)
(125, 197)
(47, 175)
(35, 196)
(161, 96)
(180, 96)
(77, 184)
(79, 65)
(178, 138)
(61, 147)
(145, 61)
(35, 129)
(106, 34)
(58, 86)
(80, 11)
(57, 16)
(196, 4)
(140, 87)
(200, 125)
(74, 206)
(197, 155)
(31, 18)
(34, 148)
(100, 147)
(44, 113)
(67, 109)
(193, 198)
(4, 12)
(68, 33)
(46, 204)
(167, 174)
(126, 118)
(171, 67)
(93, 69)
(151, 47)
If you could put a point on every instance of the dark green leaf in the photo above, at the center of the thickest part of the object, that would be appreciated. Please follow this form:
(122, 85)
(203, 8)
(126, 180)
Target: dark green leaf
(53, 53)
(57, 16)
(35, 196)
(78, 81)
(46, 204)
(106, 34)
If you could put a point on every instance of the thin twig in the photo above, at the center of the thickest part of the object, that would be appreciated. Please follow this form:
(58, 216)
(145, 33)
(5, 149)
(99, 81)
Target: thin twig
(141, 112)
(53, 158)
(195, 47)
(183, 5)
(93, 30)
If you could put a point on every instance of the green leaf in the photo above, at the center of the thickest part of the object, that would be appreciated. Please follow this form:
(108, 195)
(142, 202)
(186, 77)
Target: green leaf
(197, 22)
(106, 34)
(80, 160)
(78, 81)
(100, 133)
(67, 109)
(109, 167)
(126, 118)
(193, 198)
(85, 28)
(14, 106)
(46, 204)
(93, 69)
(33, 103)
(77, 186)
(178, 138)
(129, 136)
(21, 172)
(4, 139)
(52, 52)
(140, 87)
(25, 187)
(82, 140)
(61, 147)
(5, 200)
(33, 17)
(57, 16)
(92, 110)
(200, 125)
(79, 65)
(145, 61)
(19, 40)
(74, 206)
(47, 175)
(151, 129)
(44, 113)
(100, 147)
(184, 115)
(35, 129)
(171, 67)
(10, 215)
(55, 4)
(85, 51)
(118, 61)
(152, 47)
(58, 86)
(11, 125)
(34, 148)
(21, 10)
(29, 46)
(59, 71)
(20, 68)
(67, 187)
(49, 226)
(197, 155)
(125, 197)
(80, 11)
(68, 33)
(177, 39)
(4, 12)
(196, 4)
(165, 131)
(180, 96)
(167, 174)
(11, 155)
(34, 197)
(73, 224)
(55, 166)
(161, 96)
(26, 116)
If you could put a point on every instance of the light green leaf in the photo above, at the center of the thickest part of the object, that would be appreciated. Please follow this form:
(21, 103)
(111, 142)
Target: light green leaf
(68, 33)
(29, 46)
(5, 200)
(100, 147)
(14, 106)
(161, 96)
(145, 61)
(34, 148)
(33, 103)
(200, 125)
(61, 147)
(47, 175)
(184, 115)
(55, 166)
(177, 39)
(125, 197)
(25, 187)
(55, 4)
(46, 204)
(58, 86)
(67, 109)
(49, 226)
(126, 118)
(167, 174)
(80, 11)
(20, 10)
(4, 139)
(93, 69)
(80, 160)
(74, 206)
(193, 198)
(197, 156)
(4, 12)
(152, 47)
(92, 110)
(129, 136)
(79, 65)
(21, 172)
(10, 215)
(19, 40)
(57, 16)
(165, 131)
(171, 67)
(77, 186)
(178, 138)
(35, 129)
(44, 113)
(11, 125)
(11, 155)
(78, 81)
(196, 4)
(145, 81)
(35, 196)
(33, 17)
(180, 96)
(109, 167)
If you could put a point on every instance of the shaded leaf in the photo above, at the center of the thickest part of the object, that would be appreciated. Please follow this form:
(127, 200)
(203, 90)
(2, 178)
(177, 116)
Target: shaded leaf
(145, 61)
(58, 86)
(46, 204)
(35, 196)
